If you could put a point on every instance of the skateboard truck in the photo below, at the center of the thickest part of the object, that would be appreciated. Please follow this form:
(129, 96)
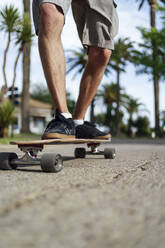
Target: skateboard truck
(30, 156)
(94, 148)
(49, 162)
(108, 152)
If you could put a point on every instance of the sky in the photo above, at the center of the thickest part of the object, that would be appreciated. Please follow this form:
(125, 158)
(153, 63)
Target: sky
(139, 86)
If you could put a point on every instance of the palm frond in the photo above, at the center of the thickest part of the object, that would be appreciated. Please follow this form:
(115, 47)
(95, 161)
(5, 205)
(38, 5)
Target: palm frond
(24, 31)
(141, 4)
(9, 18)
(76, 61)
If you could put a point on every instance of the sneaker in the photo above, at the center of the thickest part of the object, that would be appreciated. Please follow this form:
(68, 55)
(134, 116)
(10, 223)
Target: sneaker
(59, 128)
(89, 131)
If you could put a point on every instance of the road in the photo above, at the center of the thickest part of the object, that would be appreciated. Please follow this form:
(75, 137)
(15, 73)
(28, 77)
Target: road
(92, 202)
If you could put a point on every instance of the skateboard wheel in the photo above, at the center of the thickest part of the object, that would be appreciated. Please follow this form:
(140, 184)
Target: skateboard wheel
(109, 153)
(5, 160)
(51, 162)
(80, 152)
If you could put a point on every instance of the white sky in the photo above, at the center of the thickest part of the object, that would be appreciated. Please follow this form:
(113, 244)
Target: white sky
(138, 86)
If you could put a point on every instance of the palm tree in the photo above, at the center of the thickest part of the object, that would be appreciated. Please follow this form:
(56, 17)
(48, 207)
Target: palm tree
(76, 61)
(133, 106)
(142, 125)
(153, 5)
(109, 95)
(9, 20)
(23, 36)
(118, 62)
(26, 76)
(162, 115)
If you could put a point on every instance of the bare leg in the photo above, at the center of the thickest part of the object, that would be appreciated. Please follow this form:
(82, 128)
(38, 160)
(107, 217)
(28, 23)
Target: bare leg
(52, 54)
(98, 59)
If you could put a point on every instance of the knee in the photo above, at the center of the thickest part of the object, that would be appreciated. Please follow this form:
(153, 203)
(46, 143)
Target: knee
(51, 19)
(99, 56)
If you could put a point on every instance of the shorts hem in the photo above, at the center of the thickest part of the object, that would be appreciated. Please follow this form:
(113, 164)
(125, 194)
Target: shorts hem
(109, 46)
(56, 2)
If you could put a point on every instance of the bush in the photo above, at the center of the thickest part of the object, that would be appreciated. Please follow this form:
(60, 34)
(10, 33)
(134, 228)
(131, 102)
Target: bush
(142, 125)
(6, 117)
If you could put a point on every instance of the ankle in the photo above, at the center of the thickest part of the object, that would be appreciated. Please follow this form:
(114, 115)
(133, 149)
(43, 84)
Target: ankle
(78, 122)
(67, 115)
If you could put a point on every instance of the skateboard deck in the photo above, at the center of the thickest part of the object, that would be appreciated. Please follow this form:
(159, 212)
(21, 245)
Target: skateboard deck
(59, 141)
(51, 162)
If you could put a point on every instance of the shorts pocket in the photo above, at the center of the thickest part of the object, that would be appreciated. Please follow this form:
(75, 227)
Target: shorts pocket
(103, 7)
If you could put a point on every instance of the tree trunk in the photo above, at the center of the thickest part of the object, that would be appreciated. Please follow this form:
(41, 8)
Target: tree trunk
(4, 88)
(152, 13)
(118, 104)
(3, 91)
(155, 76)
(26, 79)
(4, 61)
(156, 99)
(3, 132)
(92, 116)
(14, 77)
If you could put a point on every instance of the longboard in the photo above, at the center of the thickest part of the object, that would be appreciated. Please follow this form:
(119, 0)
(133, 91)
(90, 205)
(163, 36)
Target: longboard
(60, 141)
(51, 162)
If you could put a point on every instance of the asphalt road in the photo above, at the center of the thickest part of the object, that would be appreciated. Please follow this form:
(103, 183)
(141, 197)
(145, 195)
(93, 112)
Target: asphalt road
(92, 202)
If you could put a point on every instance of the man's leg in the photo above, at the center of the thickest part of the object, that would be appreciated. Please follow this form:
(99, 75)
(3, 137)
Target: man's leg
(53, 61)
(95, 68)
(52, 54)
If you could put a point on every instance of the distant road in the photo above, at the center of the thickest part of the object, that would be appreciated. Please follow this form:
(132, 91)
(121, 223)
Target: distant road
(139, 141)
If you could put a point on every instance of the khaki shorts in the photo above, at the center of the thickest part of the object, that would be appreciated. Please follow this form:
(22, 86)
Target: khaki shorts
(96, 20)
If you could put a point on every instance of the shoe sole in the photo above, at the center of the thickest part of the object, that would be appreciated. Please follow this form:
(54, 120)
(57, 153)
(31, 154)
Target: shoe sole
(57, 136)
(105, 137)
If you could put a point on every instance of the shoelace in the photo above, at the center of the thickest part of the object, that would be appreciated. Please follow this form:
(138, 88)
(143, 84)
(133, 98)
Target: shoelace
(50, 123)
(68, 122)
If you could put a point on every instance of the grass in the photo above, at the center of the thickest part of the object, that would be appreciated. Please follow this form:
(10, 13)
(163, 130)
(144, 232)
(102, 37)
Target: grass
(19, 137)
